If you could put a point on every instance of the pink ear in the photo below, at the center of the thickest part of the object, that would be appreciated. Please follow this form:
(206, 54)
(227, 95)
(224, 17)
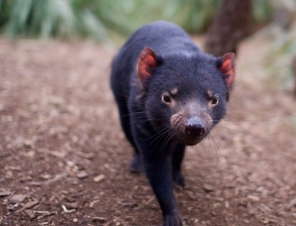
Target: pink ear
(228, 68)
(146, 61)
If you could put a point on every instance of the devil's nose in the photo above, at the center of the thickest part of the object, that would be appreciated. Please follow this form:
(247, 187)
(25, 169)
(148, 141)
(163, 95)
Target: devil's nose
(194, 127)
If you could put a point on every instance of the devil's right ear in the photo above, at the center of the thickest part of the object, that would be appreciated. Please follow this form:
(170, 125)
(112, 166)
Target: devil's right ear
(227, 67)
(146, 61)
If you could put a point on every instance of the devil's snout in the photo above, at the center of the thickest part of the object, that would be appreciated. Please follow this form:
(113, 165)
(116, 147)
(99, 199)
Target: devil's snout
(194, 127)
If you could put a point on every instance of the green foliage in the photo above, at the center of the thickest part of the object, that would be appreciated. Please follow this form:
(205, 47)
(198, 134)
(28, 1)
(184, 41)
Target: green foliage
(279, 59)
(194, 16)
(94, 18)
(262, 9)
(3, 12)
(282, 32)
(46, 18)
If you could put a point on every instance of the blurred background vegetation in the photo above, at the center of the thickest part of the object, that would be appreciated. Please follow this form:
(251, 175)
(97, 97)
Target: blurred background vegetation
(104, 20)
(98, 18)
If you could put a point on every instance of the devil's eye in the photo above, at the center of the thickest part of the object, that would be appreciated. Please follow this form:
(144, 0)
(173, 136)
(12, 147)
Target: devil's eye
(166, 99)
(214, 101)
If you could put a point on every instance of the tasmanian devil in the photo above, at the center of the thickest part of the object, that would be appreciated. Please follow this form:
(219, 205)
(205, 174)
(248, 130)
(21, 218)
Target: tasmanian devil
(169, 94)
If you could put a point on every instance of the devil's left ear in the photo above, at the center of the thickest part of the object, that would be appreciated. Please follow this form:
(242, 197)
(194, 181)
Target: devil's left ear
(146, 61)
(227, 67)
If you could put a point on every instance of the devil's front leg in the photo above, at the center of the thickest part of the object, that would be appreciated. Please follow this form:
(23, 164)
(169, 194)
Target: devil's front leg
(157, 164)
(177, 157)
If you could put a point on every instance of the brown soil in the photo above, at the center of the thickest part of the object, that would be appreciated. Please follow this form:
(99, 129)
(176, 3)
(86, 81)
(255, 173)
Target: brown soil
(64, 158)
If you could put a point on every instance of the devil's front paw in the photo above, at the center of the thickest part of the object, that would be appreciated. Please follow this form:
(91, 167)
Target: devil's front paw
(173, 220)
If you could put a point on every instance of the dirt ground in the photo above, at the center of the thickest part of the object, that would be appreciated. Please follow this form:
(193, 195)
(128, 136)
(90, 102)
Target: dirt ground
(64, 158)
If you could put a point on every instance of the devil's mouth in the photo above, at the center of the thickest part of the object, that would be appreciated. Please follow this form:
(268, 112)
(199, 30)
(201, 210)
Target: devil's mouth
(191, 140)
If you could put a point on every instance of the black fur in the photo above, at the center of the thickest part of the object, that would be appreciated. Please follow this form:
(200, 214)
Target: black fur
(143, 115)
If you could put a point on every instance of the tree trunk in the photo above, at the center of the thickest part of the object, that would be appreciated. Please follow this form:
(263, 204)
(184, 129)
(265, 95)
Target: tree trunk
(230, 25)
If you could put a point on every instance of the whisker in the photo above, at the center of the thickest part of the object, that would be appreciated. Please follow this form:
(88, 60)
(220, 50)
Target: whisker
(216, 146)
(171, 134)
(158, 134)
(121, 94)
(203, 145)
